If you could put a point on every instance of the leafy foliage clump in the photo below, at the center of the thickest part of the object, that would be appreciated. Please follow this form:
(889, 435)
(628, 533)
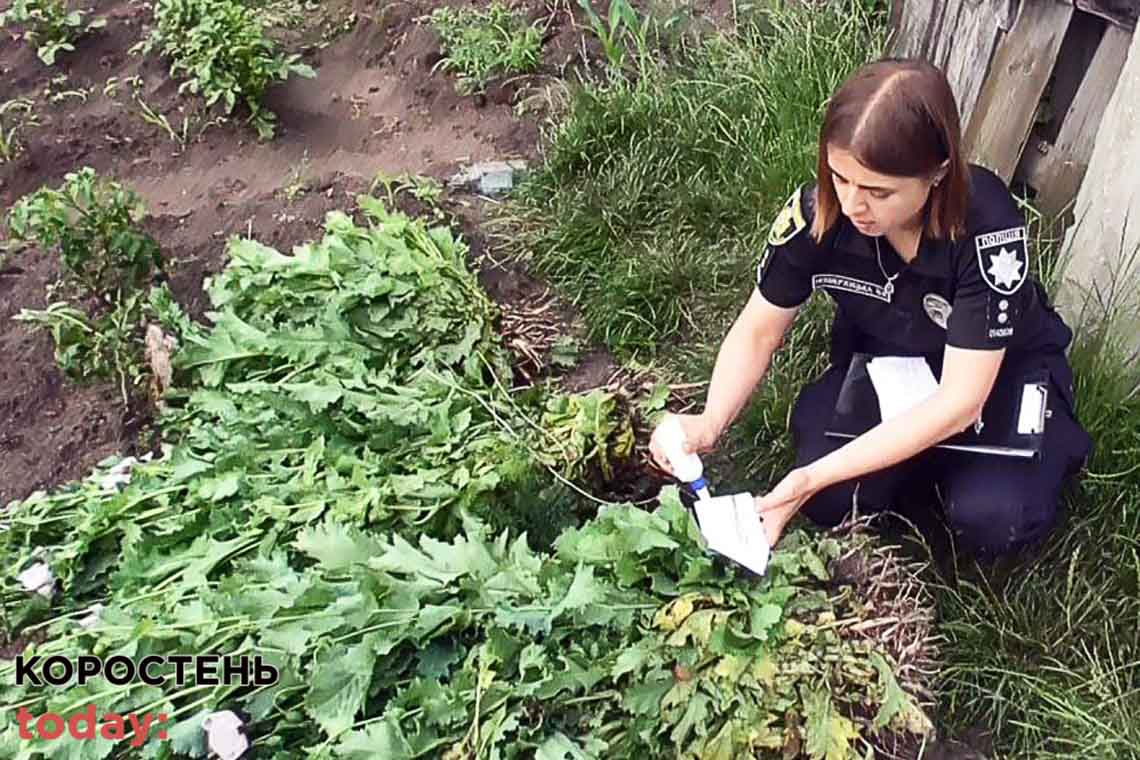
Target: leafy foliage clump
(105, 257)
(338, 446)
(94, 222)
(49, 25)
(221, 49)
(483, 44)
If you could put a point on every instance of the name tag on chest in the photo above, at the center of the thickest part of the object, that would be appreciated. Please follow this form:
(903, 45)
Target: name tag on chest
(850, 285)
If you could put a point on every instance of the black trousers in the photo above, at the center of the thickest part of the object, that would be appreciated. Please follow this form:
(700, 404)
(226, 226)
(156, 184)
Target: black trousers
(992, 504)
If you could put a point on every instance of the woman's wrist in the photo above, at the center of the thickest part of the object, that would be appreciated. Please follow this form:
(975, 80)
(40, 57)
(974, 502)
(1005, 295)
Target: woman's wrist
(817, 474)
(713, 428)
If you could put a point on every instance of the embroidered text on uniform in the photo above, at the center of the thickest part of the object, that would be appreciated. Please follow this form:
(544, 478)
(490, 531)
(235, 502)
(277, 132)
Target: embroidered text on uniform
(850, 284)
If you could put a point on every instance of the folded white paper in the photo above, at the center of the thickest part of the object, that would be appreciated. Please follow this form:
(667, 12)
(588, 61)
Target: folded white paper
(901, 383)
(731, 526)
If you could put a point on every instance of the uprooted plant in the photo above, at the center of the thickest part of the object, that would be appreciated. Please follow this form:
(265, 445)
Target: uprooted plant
(106, 262)
(49, 25)
(339, 444)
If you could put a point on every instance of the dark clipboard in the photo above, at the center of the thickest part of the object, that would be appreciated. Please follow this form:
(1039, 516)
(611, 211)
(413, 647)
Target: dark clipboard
(1004, 430)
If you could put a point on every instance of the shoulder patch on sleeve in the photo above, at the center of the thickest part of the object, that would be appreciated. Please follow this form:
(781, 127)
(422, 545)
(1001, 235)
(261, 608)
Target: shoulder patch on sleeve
(1002, 259)
(789, 221)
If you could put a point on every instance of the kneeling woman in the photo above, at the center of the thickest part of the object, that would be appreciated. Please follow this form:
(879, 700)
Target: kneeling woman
(925, 256)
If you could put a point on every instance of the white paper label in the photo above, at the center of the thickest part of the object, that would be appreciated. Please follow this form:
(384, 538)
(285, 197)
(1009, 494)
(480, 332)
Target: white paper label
(731, 526)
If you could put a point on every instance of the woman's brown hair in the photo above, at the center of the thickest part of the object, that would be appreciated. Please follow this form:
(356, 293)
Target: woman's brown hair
(897, 117)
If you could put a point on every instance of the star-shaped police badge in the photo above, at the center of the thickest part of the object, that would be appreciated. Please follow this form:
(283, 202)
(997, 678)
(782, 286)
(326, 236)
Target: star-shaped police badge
(1005, 268)
(1002, 259)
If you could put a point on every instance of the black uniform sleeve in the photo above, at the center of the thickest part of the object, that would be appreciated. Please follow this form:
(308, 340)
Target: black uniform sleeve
(785, 270)
(991, 294)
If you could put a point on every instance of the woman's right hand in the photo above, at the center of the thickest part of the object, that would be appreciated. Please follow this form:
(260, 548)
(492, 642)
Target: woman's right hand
(700, 436)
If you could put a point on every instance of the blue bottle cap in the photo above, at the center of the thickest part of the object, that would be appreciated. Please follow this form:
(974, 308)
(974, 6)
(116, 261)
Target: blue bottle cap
(698, 484)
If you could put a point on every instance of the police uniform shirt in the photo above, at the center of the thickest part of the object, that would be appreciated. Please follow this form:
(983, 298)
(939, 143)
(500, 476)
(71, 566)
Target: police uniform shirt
(974, 292)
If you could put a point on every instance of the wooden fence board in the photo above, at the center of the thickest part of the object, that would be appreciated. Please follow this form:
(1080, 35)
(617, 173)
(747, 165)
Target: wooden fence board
(999, 127)
(958, 36)
(1056, 171)
(1120, 12)
(1102, 247)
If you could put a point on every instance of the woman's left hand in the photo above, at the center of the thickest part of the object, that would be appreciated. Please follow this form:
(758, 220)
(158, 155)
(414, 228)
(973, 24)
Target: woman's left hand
(778, 506)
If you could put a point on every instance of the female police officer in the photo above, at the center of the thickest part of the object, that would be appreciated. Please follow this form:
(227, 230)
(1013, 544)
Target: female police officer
(923, 255)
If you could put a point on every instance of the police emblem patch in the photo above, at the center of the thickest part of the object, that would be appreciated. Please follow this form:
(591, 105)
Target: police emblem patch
(788, 222)
(937, 308)
(1002, 259)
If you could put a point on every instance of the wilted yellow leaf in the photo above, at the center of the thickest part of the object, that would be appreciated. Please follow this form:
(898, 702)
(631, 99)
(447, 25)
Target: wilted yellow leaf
(669, 617)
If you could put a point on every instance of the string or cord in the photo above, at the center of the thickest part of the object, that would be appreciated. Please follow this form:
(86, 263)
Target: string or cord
(889, 287)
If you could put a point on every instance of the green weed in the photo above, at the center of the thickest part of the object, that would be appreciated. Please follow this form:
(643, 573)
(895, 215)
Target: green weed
(482, 44)
(104, 257)
(620, 25)
(651, 208)
(426, 190)
(90, 349)
(219, 46)
(94, 222)
(49, 25)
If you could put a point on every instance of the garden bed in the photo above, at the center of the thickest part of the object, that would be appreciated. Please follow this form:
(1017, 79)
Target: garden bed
(304, 487)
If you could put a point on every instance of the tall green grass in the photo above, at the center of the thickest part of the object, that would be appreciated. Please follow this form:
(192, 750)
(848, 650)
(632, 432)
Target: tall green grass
(656, 193)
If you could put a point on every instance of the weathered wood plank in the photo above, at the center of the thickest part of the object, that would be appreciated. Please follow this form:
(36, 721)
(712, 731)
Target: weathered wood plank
(958, 36)
(1101, 248)
(1021, 66)
(1056, 171)
(1077, 52)
(1120, 12)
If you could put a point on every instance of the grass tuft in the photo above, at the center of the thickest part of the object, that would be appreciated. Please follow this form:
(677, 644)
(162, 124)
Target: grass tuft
(655, 195)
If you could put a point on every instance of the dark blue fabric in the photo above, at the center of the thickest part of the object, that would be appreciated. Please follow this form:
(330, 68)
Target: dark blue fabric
(993, 505)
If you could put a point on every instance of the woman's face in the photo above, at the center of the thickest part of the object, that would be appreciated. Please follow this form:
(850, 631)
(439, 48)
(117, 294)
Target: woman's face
(877, 204)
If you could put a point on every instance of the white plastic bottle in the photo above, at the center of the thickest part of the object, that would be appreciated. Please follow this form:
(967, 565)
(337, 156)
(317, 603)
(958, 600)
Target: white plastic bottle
(687, 467)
